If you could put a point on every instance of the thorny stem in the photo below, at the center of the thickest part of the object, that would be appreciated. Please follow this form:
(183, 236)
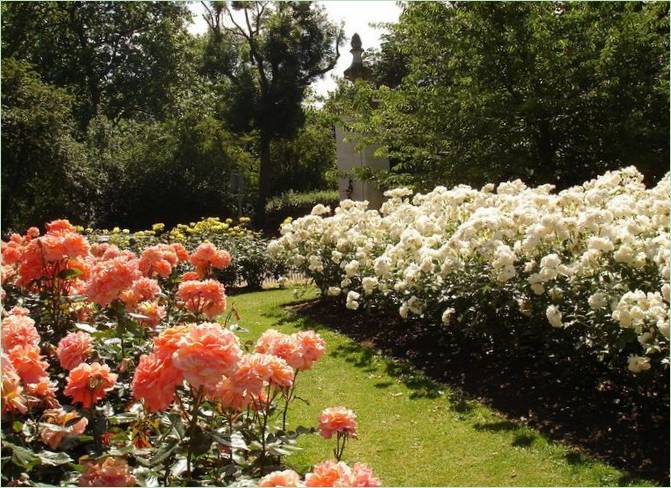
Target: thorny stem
(287, 400)
(192, 427)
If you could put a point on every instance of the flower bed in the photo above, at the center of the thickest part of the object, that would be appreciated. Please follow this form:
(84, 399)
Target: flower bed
(583, 270)
(115, 372)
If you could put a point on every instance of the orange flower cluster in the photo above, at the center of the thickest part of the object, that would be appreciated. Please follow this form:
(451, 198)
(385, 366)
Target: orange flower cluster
(160, 259)
(203, 297)
(45, 258)
(206, 256)
(300, 350)
(24, 369)
(200, 353)
(328, 473)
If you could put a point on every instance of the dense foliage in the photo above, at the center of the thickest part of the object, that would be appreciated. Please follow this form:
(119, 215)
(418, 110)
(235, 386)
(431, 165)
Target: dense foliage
(111, 109)
(549, 92)
(269, 58)
(124, 369)
(582, 272)
(294, 205)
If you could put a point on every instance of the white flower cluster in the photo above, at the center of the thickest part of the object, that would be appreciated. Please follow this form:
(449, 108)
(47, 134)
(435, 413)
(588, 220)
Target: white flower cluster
(594, 256)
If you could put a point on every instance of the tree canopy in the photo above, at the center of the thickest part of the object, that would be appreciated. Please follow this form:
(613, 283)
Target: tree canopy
(550, 92)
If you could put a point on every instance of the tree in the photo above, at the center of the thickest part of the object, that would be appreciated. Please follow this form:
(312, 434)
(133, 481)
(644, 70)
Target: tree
(306, 162)
(550, 92)
(269, 53)
(118, 58)
(45, 174)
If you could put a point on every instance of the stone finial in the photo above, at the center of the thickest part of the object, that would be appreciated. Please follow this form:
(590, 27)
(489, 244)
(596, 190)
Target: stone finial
(356, 70)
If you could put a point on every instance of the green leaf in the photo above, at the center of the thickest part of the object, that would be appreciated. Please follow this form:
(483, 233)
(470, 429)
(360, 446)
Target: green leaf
(68, 274)
(22, 457)
(50, 458)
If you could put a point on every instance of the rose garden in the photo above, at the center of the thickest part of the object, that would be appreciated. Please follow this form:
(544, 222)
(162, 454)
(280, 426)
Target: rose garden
(187, 300)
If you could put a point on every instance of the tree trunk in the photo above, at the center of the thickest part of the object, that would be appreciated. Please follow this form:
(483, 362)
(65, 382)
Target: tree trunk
(265, 171)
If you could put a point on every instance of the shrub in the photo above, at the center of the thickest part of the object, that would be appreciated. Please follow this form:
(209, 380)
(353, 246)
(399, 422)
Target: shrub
(121, 369)
(251, 262)
(296, 205)
(585, 270)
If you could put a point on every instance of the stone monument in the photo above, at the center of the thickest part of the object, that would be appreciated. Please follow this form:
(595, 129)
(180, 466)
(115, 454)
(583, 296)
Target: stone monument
(348, 157)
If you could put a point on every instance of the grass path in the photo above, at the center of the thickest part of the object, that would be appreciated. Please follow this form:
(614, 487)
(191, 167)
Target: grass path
(411, 431)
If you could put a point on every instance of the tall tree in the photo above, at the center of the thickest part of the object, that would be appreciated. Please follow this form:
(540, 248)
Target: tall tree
(118, 58)
(269, 52)
(550, 92)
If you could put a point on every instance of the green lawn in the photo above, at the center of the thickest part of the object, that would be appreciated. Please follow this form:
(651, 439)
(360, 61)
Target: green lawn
(410, 431)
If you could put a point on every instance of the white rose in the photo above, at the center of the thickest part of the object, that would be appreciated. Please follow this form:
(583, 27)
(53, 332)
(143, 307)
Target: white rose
(597, 301)
(352, 300)
(554, 316)
(333, 291)
(637, 364)
(447, 315)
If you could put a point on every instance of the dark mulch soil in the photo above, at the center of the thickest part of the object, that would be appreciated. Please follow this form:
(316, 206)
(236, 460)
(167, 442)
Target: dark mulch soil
(612, 416)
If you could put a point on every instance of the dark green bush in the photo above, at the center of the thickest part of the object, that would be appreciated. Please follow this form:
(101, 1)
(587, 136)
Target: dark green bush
(294, 205)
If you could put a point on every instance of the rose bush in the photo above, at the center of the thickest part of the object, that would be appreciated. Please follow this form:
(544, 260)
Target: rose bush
(116, 372)
(584, 269)
(249, 261)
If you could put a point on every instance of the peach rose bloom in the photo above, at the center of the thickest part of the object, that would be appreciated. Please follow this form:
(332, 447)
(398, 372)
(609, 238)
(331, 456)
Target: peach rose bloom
(153, 312)
(19, 330)
(29, 363)
(60, 225)
(158, 260)
(313, 348)
(206, 256)
(111, 277)
(255, 370)
(180, 251)
(88, 383)
(110, 471)
(287, 477)
(362, 475)
(142, 289)
(267, 340)
(74, 349)
(206, 353)
(229, 395)
(337, 419)
(44, 390)
(12, 391)
(16, 310)
(61, 425)
(168, 341)
(155, 381)
(329, 473)
(203, 297)
(191, 276)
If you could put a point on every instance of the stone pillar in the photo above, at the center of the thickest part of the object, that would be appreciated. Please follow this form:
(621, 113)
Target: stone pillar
(348, 156)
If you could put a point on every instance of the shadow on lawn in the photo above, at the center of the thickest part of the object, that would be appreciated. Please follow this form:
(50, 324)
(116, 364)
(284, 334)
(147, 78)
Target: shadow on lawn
(619, 423)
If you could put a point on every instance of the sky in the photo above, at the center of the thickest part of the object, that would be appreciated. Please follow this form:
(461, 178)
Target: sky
(357, 15)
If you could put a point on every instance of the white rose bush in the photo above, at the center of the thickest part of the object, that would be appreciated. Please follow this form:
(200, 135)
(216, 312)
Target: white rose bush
(585, 269)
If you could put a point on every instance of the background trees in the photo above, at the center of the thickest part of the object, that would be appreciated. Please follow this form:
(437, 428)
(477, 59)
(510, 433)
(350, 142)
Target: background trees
(269, 54)
(549, 92)
(114, 114)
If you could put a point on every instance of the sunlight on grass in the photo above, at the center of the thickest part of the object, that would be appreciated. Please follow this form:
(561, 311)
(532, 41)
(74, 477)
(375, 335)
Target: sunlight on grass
(412, 431)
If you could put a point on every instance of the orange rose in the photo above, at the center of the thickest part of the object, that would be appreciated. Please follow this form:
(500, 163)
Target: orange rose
(337, 419)
(88, 383)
